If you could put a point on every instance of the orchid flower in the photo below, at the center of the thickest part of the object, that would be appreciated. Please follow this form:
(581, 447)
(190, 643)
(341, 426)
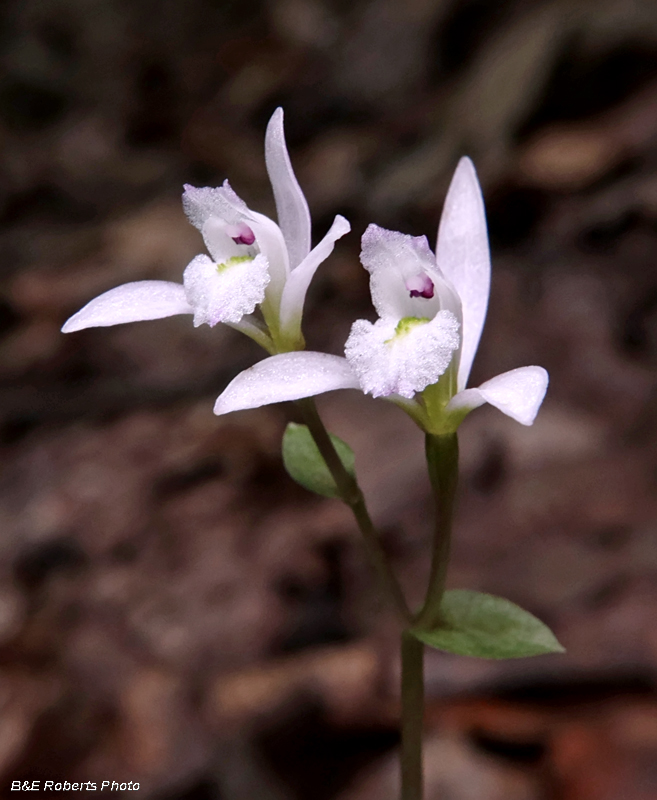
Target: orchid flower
(420, 350)
(253, 262)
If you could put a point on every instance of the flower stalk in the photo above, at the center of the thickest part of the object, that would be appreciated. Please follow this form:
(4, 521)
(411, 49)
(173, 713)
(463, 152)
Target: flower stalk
(351, 494)
(442, 452)
(412, 699)
(442, 462)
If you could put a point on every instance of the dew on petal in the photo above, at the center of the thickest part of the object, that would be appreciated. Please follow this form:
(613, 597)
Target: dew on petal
(420, 286)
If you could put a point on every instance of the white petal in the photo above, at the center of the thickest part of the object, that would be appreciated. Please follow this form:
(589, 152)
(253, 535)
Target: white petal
(517, 393)
(291, 205)
(210, 209)
(463, 256)
(272, 245)
(215, 211)
(224, 292)
(131, 302)
(389, 363)
(467, 398)
(299, 279)
(394, 260)
(200, 204)
(288, 376)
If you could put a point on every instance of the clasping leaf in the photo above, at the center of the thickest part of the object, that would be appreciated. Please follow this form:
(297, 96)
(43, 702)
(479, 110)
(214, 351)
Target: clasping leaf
(304, 462)
(481, 625)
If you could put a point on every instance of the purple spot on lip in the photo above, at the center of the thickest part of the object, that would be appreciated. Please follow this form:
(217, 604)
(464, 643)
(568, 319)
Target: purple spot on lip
(244, 234)
(420, 286)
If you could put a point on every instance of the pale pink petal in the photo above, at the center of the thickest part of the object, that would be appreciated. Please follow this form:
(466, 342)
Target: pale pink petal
(131, 302)
(289, 376)
(517, 393)
(299, 279)
(463, 256)
(291, 205)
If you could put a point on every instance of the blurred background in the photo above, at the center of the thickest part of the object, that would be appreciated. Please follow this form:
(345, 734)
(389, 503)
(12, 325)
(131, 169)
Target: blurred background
(174, 610)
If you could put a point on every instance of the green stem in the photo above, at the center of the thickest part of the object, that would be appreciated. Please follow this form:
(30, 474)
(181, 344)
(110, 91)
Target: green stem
(442, 452)
(352, 495)
(412, 697)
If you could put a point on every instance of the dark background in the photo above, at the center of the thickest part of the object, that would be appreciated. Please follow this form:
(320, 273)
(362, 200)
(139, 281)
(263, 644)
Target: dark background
(173, 609)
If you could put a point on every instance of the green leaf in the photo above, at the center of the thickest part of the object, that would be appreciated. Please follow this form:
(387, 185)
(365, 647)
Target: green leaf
(481, 625)
(304, 462)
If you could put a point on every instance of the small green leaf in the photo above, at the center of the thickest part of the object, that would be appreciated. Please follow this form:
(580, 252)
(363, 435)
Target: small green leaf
(481, 625)
(304, 462)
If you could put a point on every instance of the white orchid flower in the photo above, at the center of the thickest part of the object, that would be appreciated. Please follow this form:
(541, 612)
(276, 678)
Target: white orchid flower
(253, 262)
(420, 351)
(417, 334)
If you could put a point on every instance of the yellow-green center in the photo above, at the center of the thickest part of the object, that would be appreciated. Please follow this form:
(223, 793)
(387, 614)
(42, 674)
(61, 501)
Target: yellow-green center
(406, 324)
(232, 261)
